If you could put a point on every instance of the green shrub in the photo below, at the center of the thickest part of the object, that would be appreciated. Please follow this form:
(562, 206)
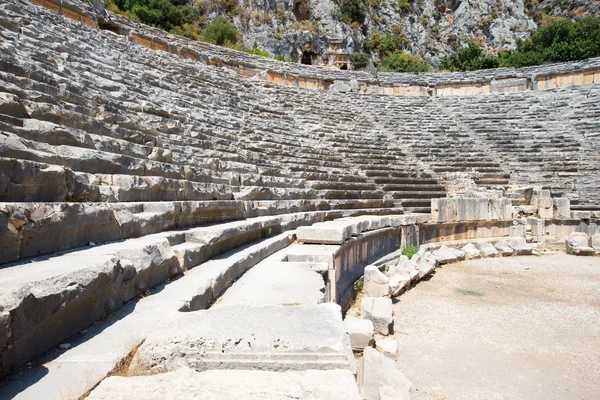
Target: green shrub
(165, 14)
(191, 31)
(359, 284)
(259, 52)
(359, 60)
(559, 41)
(402, 6)
(221, 32)
(389, 44)
(410, 251)
(353, 11)
(404, 62)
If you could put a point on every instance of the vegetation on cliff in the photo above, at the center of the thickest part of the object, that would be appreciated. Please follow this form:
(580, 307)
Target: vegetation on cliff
(562, 40)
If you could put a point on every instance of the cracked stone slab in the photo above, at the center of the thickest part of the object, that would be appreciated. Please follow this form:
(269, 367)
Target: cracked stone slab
(274, 338)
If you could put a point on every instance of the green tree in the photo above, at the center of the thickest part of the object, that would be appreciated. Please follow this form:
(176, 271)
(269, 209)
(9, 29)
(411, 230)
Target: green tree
(559, 41)
(359, 60)
(353, 11)
(221, 32)
(404, 62)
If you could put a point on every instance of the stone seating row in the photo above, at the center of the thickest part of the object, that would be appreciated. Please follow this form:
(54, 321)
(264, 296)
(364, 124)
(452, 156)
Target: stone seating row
(46, 300)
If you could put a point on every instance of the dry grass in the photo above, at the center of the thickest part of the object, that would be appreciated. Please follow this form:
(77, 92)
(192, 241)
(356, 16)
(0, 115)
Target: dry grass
(124, 368)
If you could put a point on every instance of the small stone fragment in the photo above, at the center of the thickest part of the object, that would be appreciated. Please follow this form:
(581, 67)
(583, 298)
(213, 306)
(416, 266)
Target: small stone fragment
(387, 346)
(487, 250)
(471, 252)
(379, 311)
(360, 331)
(376, 284)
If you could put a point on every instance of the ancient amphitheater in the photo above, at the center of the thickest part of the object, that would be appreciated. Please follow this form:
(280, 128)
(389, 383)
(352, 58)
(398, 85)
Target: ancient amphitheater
(194, 219)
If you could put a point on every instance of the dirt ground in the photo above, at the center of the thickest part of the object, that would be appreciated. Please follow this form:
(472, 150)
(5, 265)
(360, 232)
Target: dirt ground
(505, 328)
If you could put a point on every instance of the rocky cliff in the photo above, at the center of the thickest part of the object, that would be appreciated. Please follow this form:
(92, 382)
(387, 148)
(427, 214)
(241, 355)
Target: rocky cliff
(312, 31)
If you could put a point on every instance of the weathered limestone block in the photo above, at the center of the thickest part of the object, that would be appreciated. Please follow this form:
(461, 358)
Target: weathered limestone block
(504, 249)
(272, 338)
(487, 250)
(545, 208)
(379, 375)
(48, 307)
(445, 255)
(361, 332)
(10, 239)
(465, 209)
(425, 264)
(388, 346)
(230, 384)
(340, 86)
(332, 232)
(400, 275)
(520, 246)
(539, 194)
(376, 284)
(561, 208)
(379, 311)
(578, 244)
(595, 242)
(471, 252)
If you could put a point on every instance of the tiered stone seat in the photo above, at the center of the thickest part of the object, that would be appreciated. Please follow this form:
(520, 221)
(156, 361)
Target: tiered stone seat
(127, 151)
(531, 138)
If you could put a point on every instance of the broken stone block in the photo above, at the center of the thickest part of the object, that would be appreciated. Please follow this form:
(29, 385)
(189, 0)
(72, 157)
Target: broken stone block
(185, 383)
(376, 284)
(425, 266)
(578, 244)
(445, 255)
(487, 250)
(387, 346)
(520, 246)
(379, 311)
(400, 275)
(380, 375)
(361, 332)
(471, 252)
(340, 86)
(504, 248)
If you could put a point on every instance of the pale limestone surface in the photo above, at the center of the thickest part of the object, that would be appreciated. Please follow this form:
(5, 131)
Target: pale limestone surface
(273, 282)
(274, 338)
(185, 383)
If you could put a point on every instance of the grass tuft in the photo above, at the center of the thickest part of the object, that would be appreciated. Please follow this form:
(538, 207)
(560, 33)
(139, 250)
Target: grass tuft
(473, 293)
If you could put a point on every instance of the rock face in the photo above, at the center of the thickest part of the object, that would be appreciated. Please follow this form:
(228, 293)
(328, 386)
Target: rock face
(303, 30)
(186, 383)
